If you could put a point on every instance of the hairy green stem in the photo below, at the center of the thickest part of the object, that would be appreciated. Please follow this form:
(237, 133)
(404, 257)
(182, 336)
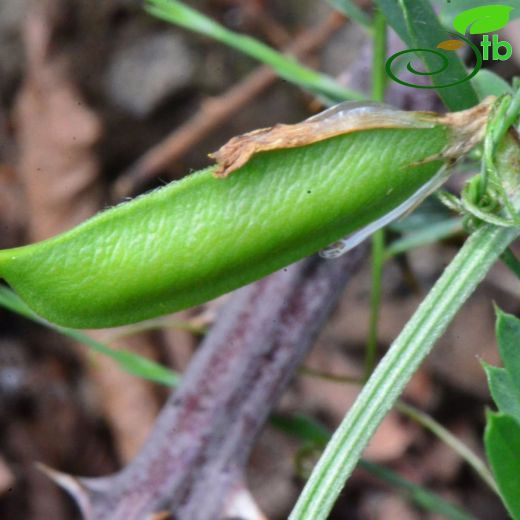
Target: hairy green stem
(431, 319)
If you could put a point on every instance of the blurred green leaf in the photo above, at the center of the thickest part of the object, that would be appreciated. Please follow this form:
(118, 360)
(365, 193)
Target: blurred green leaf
(511, 261)
(394, 15)
(502, 441)
(508, 337)
(503, 391)
(350, 9)
(417, 494)
(428, 224)
(127, 361)
(417, 24)
(302, 427)
(427, 235)
(431, 211)
(487, 83)
(286, 67)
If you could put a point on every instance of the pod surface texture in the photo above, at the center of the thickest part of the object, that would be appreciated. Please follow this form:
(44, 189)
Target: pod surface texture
(200, 237)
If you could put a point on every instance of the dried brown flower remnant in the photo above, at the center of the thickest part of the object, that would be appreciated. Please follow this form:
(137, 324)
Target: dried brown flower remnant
(349, 117)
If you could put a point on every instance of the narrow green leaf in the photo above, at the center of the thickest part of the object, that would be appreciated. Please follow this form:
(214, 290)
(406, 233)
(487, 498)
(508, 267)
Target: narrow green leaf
(508, 337)
(511, 261)
(504, 393)
(427, 235)
(286, 67)
(395, 18)
(127, 361)
(502, 440)
(418, 26)
(419, 495)
(302, 427)
(471, 458)
(350, 9)
(430, 212)
(487, 83)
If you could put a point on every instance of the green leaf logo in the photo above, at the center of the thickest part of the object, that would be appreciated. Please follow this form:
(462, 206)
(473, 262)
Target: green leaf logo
(480, 20)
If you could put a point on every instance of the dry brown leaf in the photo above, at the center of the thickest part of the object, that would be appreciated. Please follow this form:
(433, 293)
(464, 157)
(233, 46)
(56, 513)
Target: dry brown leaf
(241, 504)
(180, 344)
(11, 207)
(129, 403)
(386, 506)
(469, 338)
(56, 134)
(7, 479)
(271, 470)
(161, 515)
(347, 118)
(339, 120)
(393, 436)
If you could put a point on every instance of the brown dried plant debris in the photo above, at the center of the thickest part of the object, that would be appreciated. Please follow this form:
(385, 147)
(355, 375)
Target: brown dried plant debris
(56, 132)
(215, 111)
(468, 129)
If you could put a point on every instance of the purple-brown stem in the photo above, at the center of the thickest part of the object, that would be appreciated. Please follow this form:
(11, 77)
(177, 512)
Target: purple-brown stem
(195, 458)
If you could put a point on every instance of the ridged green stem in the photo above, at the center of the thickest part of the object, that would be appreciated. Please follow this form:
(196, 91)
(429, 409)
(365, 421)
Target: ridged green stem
(394, 371)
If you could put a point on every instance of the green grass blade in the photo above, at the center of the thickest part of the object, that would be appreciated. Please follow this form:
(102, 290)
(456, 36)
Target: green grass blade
(286, 67)
(471, 458)
(428, 235)
(127, 361)
(488, 83)
(350, 9)
(511, 261)
(302, 427)
(395, 18)
(419, 495)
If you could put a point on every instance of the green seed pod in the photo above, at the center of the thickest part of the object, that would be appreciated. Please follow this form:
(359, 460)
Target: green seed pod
(296, 189)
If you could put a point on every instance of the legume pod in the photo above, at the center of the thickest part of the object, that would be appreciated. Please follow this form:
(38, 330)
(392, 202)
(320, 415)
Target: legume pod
(203, 236)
